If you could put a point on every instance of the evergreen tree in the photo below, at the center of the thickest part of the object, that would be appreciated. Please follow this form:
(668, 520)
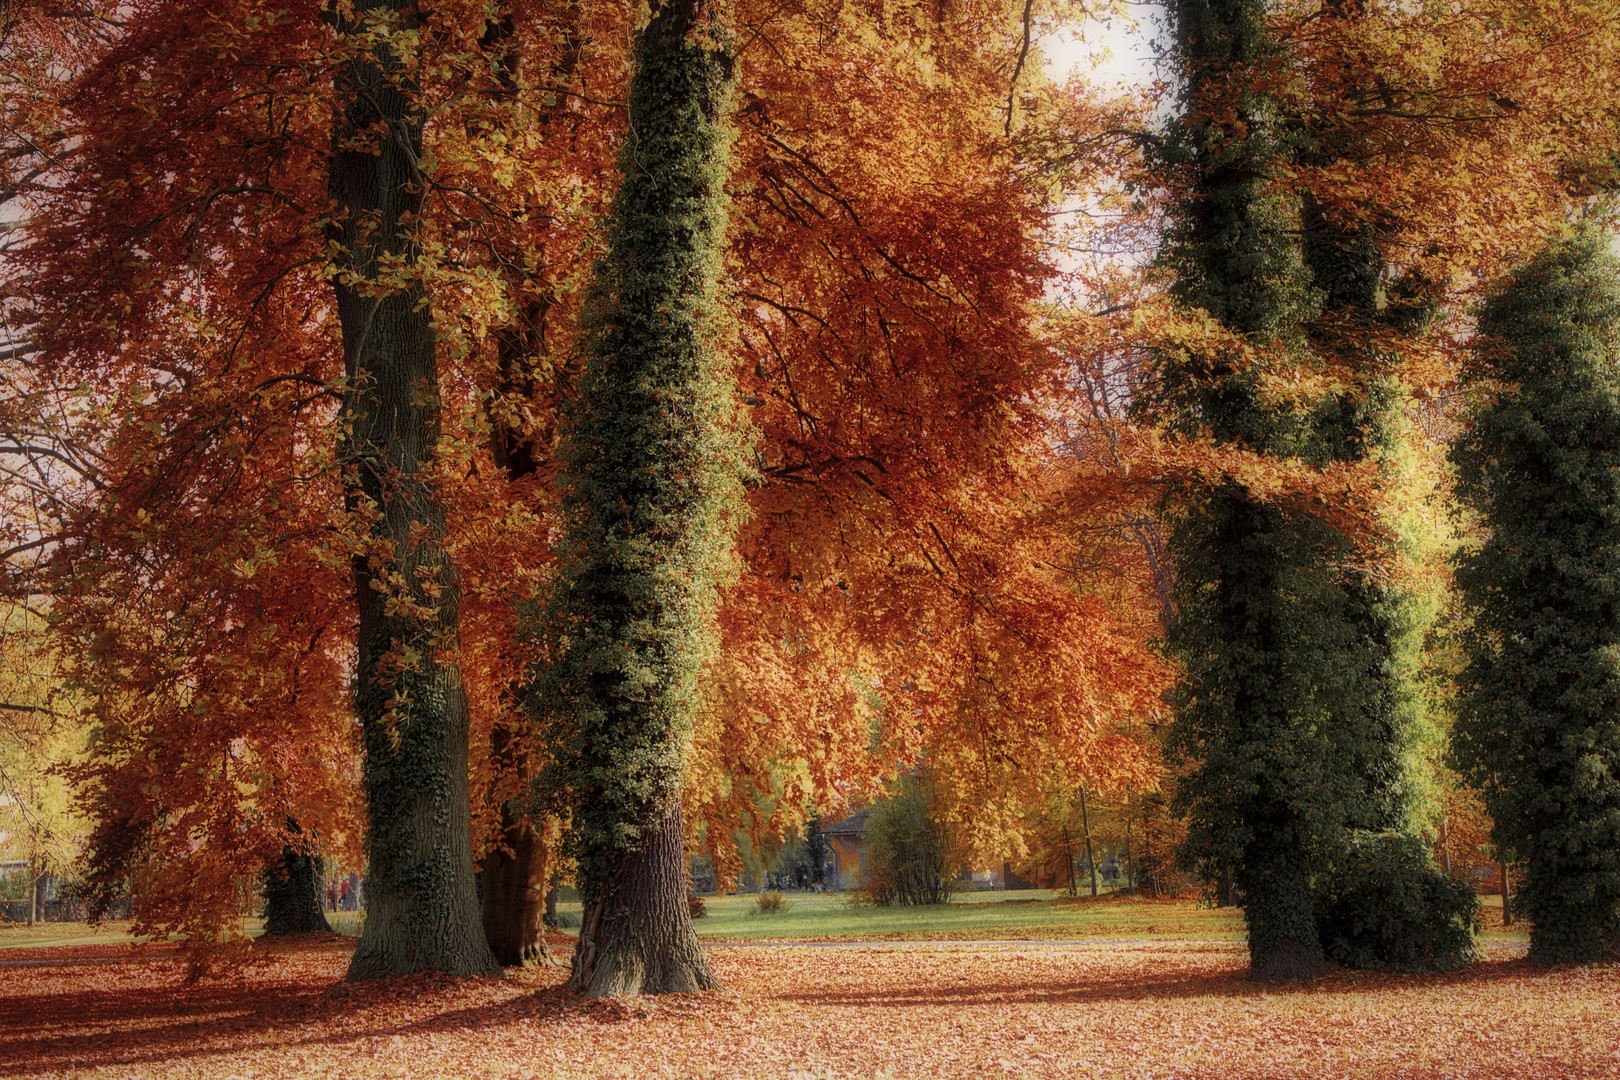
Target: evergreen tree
(651, 481)
(1538, 717)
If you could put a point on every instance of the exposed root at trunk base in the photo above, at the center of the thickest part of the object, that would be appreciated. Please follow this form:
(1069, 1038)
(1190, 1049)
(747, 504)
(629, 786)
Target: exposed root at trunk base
(638, 938)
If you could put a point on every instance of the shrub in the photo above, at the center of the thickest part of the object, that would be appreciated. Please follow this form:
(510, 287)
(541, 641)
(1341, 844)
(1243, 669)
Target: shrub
(1387, 907)
(770, 902)
(910, 857)
(695, 907)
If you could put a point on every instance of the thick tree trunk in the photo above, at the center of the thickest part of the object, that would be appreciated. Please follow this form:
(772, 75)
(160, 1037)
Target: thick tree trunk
(638, 938)
(293, 900)
(514, 879)
(1283, 944)
(422, 905)
(516, 871)
(651, 491)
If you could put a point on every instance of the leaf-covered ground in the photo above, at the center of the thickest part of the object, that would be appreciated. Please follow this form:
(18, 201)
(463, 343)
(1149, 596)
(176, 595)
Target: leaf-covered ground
(1157, 1010)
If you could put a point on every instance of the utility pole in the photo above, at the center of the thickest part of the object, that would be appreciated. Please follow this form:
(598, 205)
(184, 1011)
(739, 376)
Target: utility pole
(1091, 856)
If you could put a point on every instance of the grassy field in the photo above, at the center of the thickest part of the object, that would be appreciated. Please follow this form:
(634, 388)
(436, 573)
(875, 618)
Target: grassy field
(116, 931)
(983, 915)
(990, 916)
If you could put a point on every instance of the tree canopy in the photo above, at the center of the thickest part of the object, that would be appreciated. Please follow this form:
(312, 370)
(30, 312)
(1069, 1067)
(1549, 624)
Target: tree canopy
(994, 386)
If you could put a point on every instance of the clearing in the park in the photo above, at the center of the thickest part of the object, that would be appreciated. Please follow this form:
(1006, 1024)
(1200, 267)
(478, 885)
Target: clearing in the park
(1098, 990)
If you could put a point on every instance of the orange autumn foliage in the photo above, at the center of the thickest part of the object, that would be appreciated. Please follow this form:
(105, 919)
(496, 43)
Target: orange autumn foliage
(887, 266)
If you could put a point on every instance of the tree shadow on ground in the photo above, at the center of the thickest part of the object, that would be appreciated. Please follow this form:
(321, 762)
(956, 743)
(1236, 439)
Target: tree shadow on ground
(83, 1029)
(1147, 986)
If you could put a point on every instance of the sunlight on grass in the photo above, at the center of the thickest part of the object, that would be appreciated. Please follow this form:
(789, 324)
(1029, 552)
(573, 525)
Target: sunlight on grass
(116, 931)
(983, 915)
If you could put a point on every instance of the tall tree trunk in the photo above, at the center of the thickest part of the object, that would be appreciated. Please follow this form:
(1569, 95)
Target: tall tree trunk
(1283, 943)
(422, 904)
(651, 485)
(1257, 619)
(516, 871)
(515, 874)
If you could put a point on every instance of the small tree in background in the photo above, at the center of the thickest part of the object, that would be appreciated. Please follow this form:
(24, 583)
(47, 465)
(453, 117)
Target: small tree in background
(815, 850)
(1538, 717)
(910, 856)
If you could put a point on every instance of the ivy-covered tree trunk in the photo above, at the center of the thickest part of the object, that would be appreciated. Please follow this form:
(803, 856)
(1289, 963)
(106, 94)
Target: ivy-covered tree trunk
(651, 492)
(422, 905)
(1261, 631)
(1538, 720)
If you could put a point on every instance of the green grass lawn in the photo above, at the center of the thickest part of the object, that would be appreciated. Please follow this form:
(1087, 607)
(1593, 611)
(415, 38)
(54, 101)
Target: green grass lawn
(981, 915)
(116, 931)
(1032, 914)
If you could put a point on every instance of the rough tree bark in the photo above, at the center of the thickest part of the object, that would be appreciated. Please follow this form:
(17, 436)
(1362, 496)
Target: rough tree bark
(422, 904)
(516, 871)
(515, 876)
(638, 937)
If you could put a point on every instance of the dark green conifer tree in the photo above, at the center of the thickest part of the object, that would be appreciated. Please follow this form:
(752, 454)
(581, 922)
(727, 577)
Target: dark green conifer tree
(1538, 714)
(652, 487)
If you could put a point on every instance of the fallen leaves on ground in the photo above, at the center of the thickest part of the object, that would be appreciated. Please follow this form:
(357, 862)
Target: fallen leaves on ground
(1163, 1010)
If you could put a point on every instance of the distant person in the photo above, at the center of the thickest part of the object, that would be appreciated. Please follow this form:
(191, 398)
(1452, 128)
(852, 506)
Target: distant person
(343, 895)
(331, 895)
(799, 874)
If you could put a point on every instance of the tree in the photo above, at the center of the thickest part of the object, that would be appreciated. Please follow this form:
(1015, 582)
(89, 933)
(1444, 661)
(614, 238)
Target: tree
(651, 492)
(1312, 122)
(907, 579)
(1540, 692)
(294, 902)
(1261, 630)
(422, 907)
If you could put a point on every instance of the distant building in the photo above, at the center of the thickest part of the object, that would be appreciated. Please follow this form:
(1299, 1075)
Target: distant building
(847, 841)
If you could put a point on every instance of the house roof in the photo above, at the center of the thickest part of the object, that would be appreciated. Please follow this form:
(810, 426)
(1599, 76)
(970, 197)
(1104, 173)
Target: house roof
(854, 825)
